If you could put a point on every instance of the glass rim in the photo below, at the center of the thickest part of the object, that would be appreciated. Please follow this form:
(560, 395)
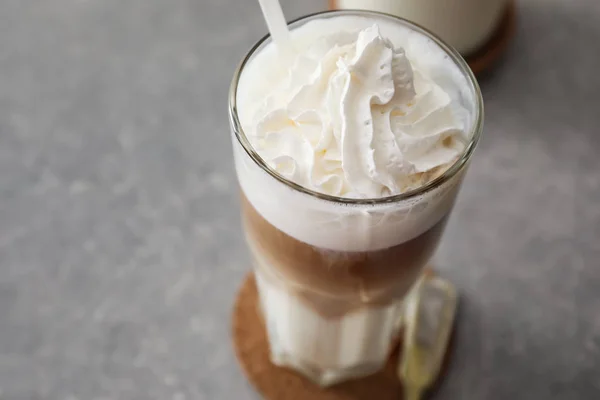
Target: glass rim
(464, 68)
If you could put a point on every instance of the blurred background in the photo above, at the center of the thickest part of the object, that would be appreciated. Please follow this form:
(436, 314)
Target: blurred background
(120, 242)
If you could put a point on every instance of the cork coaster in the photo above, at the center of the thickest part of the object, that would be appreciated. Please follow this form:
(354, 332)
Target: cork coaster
(277, 383)
(483, 59)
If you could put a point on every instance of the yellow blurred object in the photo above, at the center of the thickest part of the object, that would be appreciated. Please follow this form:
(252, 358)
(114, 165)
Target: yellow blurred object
(428, 326)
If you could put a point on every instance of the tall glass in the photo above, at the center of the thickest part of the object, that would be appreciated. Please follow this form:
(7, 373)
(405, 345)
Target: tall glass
(333, 273)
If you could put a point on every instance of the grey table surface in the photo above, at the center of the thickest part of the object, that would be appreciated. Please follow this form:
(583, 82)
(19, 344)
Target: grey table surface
(120, 245)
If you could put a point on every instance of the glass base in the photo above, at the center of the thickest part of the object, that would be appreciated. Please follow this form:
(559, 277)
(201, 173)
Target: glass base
(365, 353)
(323, 377)
(319, 376)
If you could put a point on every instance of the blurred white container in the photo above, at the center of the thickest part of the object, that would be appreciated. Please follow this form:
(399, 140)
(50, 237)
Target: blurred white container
(465, 24)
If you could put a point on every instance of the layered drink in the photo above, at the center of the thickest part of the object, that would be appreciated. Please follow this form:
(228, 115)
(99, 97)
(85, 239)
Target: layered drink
(349, 149)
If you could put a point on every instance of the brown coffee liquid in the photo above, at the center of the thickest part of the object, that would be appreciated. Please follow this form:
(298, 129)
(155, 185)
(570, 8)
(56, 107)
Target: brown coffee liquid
(332, 282)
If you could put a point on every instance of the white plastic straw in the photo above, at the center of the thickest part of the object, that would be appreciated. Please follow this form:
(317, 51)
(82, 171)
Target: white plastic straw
(277, 25)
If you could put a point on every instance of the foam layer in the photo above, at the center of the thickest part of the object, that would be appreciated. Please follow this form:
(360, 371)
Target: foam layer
(332, 225)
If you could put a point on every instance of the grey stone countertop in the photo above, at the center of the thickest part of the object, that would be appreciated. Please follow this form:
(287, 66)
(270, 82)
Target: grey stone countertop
(120, 243)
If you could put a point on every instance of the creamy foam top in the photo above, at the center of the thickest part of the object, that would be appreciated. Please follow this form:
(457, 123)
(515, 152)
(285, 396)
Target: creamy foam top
(353, 117)
(336, 152)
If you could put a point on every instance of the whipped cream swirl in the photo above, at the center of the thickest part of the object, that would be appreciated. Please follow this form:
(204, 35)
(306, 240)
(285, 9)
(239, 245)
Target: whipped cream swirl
(354, 119)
